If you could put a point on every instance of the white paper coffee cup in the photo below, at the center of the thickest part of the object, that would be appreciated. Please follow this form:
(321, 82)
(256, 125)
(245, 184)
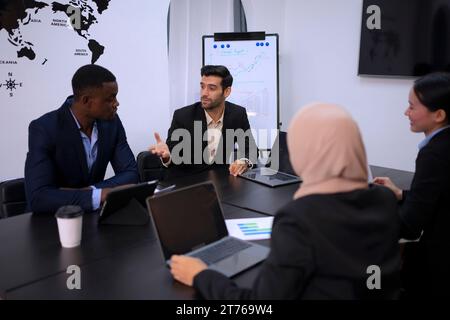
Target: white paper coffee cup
(70, 223)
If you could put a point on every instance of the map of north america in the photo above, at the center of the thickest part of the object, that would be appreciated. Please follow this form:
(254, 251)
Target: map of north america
(80, 14)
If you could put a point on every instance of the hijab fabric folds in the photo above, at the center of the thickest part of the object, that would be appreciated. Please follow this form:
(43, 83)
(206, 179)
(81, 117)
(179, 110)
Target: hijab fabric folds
(326, 150)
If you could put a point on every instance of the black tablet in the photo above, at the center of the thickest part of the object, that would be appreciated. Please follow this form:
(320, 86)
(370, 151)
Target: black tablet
(127, 206)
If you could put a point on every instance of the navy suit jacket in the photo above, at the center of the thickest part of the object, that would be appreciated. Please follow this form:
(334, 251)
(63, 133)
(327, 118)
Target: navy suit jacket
(56, 159)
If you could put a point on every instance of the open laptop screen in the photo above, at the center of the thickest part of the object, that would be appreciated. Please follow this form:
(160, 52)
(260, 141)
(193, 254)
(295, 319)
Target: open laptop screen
(187, 219)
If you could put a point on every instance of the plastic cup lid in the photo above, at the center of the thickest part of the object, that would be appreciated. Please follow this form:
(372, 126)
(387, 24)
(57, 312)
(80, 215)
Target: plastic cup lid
(68, 212)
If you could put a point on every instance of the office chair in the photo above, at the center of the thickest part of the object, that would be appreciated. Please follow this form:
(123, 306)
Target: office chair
(12, 198)
(149, 167)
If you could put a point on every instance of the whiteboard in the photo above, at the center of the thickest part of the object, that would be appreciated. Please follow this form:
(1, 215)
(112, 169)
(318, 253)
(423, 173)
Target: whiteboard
(254, 67)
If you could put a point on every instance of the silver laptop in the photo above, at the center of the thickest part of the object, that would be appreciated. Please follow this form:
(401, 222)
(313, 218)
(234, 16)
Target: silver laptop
(279, 159)
(189, 221)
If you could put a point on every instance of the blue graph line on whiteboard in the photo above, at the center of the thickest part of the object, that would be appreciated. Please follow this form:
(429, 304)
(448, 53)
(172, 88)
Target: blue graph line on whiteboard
(246, 69)
(254, 69)
(241, 68)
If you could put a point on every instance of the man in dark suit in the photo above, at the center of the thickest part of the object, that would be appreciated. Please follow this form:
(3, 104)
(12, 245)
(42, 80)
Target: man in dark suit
(69, 148)
(208, 130)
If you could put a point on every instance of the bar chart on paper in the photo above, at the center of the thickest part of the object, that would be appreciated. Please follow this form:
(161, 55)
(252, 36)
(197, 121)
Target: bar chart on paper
(250, 229)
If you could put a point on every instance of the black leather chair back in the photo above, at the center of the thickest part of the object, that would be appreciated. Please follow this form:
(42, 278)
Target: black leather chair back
(12, 198)
(150, 167)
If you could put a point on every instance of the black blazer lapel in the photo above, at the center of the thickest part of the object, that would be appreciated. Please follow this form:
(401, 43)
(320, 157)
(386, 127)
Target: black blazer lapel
(200, 116)
(227, 124)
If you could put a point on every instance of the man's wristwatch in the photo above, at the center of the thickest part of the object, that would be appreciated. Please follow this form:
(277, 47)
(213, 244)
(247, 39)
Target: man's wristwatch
(246, 161)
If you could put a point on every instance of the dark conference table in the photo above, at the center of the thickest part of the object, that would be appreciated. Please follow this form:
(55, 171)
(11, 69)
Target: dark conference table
(123, 262)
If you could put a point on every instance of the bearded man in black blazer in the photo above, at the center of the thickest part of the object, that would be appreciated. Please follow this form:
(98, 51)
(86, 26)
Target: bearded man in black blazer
(203, 135)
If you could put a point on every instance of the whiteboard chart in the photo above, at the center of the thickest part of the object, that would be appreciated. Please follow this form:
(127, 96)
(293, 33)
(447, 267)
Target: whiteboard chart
(254, 67)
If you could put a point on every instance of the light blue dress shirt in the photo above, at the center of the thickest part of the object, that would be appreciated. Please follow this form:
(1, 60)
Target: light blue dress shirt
(425, 141)
(90, 148)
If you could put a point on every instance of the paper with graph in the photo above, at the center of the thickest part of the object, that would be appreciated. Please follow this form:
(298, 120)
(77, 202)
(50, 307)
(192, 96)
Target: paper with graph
(250, 228)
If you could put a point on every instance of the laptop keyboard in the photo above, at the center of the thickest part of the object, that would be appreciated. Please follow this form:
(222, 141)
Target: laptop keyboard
(221, 250)
(276, 176)
(279, 176)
